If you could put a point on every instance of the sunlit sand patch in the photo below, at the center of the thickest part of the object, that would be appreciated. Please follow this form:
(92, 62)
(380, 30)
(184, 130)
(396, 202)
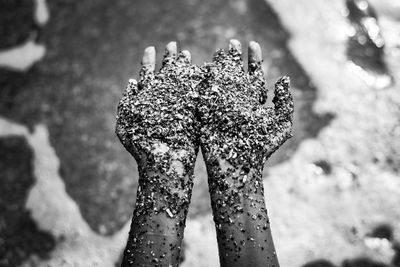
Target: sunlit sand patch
(387, 8)
(56, 212)
(201, 243)
(316, 215)
(390, 25)
(22, 57)
(9, 128)
(41, 12)
(373, 80)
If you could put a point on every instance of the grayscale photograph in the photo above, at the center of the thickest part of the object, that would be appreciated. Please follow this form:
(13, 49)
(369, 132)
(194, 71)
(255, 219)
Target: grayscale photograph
(232, 133)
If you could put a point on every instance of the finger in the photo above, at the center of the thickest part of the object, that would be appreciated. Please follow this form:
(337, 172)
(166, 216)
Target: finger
(187, 55)
(149, 58)
(170, 53)
(235, 45)
(219, 53)
(281, 128)
(283, 101)
(254, 58)
(184, 57)
(148, 65)
(130, 91)
(255, 70)
(124, 111)
(235, 49)
(131, 88)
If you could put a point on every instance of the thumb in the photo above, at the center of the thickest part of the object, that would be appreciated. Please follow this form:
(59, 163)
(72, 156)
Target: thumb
(283, 100)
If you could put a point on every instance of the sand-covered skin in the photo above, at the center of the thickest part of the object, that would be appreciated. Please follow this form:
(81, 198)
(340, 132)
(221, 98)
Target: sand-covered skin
(159, 122)
(238, 134)
(156, 124)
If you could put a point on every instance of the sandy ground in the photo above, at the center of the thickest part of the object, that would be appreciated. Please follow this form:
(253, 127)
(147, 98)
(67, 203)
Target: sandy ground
(326, 191)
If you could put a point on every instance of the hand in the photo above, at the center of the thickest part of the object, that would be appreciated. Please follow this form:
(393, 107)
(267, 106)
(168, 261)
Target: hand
(238, 134)
(156, 123)
(158, 114)
(236, 126)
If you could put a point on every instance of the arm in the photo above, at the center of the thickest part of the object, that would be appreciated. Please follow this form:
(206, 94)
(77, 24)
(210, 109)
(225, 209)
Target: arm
(156, 124)
(238, 134)
(242, 224)
(159, 217)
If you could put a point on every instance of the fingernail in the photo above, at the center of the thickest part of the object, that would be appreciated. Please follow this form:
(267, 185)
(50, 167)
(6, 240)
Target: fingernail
(171, 47)
(233, 43)
(187, 55)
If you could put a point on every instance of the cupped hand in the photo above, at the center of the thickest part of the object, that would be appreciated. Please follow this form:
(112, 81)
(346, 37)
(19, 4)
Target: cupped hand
(235, 125)
(157, 124)
(157, 114)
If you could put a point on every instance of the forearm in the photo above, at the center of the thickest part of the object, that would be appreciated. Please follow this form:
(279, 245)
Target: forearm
(159, 248)
(159, 219)
(243, 229)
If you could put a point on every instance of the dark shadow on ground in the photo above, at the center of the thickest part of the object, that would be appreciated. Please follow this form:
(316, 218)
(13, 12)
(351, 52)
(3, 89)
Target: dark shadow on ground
(19, 235)
(16, 22)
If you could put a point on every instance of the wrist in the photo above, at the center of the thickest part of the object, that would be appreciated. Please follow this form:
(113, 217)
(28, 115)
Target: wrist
(162, 159)
(165, 182)
(239, 181)
(232, 164)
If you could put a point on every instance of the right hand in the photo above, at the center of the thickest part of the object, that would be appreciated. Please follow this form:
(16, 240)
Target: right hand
(235, 126)
(238, 134)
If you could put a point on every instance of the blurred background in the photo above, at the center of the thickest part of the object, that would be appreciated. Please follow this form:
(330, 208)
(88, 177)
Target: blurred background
(67, 186)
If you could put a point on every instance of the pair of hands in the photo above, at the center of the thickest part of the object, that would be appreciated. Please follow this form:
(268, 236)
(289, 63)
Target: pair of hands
(162, 121)
(219, 104)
